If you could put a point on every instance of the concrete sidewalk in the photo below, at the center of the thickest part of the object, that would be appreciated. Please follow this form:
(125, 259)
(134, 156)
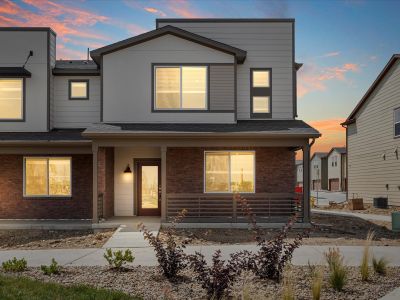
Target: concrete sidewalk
(371, 217)
(145, 255)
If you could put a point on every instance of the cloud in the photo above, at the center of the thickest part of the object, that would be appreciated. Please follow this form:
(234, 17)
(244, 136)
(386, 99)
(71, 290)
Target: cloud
(331, 54)
(155, 11)
(314, 78)
(333, 134)
(66, 53)
(182, 8)
(373, 57)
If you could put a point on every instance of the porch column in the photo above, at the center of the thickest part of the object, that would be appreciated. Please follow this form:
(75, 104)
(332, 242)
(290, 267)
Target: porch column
(306, 183)
(95, 150)
(163, 183)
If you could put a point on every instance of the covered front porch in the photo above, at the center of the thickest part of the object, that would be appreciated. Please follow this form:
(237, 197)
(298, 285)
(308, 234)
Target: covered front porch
(138, 174)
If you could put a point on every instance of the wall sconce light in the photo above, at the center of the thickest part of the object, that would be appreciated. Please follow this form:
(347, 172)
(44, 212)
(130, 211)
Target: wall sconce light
(397, 153)
(128, 169)
(384, 156)
(387, 186)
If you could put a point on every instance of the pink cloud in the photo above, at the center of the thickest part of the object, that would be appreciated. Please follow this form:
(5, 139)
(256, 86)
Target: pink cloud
(182, 8)
(314, 78)
(155, 11)
(67, 53)
(331, 54)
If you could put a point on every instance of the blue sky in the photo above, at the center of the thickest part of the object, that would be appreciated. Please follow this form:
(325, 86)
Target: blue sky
(343, 44)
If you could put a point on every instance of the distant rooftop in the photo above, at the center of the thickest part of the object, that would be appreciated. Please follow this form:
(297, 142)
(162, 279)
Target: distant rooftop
(78, 67)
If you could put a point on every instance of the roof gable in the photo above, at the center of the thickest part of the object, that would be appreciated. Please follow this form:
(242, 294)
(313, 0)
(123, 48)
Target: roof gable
(340, 150)
(351, 118)
(238, 53)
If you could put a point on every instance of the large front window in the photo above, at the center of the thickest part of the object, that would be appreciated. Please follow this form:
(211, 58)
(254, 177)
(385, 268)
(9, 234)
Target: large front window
(229, 171)
(47, 176)
(180, 88)
(11, 99)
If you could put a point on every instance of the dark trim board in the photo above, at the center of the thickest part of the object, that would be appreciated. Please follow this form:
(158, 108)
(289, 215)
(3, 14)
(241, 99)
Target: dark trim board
(208, 109)
(75, 72)
(28, 29)
(87, 89)
(223, 20)
(14, 72)
(260, 91)
(240, 55)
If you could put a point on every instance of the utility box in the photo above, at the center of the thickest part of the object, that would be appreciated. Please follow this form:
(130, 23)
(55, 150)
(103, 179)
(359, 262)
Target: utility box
(381, 202)
(396, 221)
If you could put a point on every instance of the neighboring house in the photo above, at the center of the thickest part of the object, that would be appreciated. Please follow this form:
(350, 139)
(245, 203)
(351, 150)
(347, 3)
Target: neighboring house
(183, 116)
(336, 169)
(373, 139)
(319, 171)
(299, 173)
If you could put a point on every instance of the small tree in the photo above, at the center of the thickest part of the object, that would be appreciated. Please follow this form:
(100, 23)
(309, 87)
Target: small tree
(169, 253)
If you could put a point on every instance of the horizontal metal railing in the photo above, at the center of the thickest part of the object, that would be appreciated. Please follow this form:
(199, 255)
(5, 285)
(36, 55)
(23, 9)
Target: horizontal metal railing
(267, 207)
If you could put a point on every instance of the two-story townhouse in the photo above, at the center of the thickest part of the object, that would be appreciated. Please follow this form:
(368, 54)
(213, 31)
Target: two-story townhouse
(336, 169)
(183, 116)
(319, 171)
(299, 173)
(373, 144)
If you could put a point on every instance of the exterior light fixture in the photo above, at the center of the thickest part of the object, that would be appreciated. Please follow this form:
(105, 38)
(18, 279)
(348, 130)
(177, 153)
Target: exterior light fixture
(128, 169)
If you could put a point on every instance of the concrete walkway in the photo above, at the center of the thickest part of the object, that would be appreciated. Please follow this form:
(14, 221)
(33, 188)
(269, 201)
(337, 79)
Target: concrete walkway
(145, 255)
(354, 214)
(394, 295)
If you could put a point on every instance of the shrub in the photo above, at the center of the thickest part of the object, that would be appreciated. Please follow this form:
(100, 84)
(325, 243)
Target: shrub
(380, 265)
(53, 268)
(118, 259)
(169, 253)
(273, 254)
(15, 265)
(215, 279)
(364, 267)
(316, 283)
(338, 272)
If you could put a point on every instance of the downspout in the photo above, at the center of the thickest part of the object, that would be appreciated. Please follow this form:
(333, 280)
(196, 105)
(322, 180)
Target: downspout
(344, 125)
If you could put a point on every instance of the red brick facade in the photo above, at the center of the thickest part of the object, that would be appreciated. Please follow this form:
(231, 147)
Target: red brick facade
(106, 180)
(275, 169)
(14, 206)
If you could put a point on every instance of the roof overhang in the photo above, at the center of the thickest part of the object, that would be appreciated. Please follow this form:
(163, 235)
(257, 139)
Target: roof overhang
(352, 117)
(75, 72)
(239, 54)
(14, 72)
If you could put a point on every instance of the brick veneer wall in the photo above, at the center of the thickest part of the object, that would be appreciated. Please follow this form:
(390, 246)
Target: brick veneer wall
(14, 206)
(106, 179)
(275, 169)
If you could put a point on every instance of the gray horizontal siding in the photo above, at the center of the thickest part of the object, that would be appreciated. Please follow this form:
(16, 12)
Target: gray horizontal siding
(75, 113)
(371, 137)
(268, 45)
(222, 87)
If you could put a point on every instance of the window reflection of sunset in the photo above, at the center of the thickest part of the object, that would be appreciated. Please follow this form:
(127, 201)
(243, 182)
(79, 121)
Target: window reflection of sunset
(11, 91)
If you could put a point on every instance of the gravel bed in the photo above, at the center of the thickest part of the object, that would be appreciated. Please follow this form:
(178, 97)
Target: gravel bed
(368, 209)
(148, 283)
(52, 239)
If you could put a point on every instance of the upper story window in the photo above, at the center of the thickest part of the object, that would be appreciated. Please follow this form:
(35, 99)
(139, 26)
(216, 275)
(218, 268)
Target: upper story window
(397, 122)
(334, 161)
(47, 176)
(78, 89)
(229, 172)
(260, 93)
(11, 99)
(180, 88)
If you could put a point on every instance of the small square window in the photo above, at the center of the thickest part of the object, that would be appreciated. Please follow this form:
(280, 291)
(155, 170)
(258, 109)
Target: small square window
(79, 89)
(261, 78)
(260, 104)
(397, 122)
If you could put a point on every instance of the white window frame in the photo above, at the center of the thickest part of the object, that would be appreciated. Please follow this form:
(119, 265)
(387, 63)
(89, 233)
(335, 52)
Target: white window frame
(229, 171)
(155, 108)
(48, 177)
(395, 122)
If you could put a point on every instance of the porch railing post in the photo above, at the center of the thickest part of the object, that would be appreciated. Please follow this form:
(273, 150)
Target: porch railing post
(234, 210)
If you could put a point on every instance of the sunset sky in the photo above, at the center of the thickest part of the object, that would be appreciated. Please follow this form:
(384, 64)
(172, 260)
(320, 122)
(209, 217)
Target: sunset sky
(343, 44)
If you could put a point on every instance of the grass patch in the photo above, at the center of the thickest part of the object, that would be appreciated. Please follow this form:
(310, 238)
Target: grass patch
(24, 288)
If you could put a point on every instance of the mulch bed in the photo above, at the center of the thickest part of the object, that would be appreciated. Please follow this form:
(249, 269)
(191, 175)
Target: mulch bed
(328, 230)
(148, 283)
(52, 239)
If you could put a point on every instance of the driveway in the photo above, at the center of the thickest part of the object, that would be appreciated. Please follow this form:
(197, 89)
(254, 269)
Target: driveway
(323, 197)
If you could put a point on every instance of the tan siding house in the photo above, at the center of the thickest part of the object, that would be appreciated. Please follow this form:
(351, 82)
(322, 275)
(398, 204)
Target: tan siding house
(372, 145)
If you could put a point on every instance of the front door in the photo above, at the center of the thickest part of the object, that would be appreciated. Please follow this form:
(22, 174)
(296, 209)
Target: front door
(149, 187)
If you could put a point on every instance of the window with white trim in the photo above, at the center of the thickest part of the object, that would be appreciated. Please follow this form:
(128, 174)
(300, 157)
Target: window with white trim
(229, 171)
(397, 122)
(260, 92)
(180, 87)
(11, 99)
(47, 176)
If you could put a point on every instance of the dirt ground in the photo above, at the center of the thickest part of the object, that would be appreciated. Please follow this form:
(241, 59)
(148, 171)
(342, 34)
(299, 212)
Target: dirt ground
(327, 230)
(52, 239)
(368, 209)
